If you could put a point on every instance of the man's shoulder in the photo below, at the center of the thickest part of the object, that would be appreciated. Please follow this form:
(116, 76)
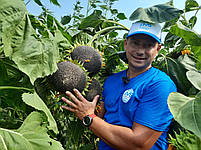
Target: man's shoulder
(160, 75)
(154, 75)
(162, 78)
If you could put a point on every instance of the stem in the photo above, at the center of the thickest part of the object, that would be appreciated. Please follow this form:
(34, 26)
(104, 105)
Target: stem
(111, 21)
(166, 63)
(3, 142)
(197, 10)
(183, 16)
(15, 88)
(104, 30)
(88, 7)
(11, 131)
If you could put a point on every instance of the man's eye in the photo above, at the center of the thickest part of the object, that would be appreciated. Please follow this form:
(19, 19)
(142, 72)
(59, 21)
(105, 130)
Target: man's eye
(149, 45)
(134, 43)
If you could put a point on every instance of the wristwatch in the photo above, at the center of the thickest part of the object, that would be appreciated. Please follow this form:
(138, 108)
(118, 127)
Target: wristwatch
(87, 120)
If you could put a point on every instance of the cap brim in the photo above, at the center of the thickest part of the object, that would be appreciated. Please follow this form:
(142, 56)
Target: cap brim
(147, 33)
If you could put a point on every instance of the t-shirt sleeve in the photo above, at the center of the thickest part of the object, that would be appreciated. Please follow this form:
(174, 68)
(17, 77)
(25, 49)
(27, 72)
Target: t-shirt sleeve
(153, 109)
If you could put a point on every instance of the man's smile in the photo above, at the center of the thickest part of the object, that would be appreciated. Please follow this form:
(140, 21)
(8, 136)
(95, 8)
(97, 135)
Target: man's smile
(138, 58)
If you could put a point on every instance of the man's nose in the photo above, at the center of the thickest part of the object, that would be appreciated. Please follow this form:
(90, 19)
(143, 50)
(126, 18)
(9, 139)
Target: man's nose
(140, 49)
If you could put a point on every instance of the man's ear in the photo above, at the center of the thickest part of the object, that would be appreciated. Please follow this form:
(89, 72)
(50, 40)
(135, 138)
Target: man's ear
(159, 47)
(125, 44)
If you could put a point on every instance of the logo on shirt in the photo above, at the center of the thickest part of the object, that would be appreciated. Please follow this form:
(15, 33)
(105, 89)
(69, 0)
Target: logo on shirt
(127, 95)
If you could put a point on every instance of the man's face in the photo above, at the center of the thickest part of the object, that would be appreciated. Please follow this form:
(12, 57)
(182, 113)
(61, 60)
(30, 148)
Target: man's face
(140, 51)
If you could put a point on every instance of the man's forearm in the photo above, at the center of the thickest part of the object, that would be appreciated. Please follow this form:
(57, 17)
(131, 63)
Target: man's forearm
(116, 136)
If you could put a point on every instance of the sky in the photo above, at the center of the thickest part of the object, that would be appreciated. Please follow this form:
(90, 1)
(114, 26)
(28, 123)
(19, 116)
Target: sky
(124, 6)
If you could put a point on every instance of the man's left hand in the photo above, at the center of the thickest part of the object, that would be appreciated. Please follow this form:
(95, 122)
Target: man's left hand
(80, 106)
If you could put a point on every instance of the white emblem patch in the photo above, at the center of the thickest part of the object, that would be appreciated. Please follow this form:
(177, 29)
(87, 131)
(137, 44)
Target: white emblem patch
(127, 95)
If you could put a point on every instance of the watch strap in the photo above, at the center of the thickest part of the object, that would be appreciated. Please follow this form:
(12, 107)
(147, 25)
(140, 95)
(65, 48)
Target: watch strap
(92, 115)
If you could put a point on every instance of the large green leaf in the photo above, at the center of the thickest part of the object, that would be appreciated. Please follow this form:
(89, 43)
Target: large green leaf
(194, 77)
(35, 101)
(156, 14)
(11, 13)
(33, 55)
(190, 36)
(91, 21)
(177, 72)
(187, 62)
(61, 41)
(32, 135)
(186, 111)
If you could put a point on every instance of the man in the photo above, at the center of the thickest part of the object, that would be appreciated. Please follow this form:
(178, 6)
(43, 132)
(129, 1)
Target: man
(134, 103)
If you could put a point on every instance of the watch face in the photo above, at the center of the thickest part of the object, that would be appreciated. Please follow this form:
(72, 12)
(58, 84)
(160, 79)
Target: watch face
(87, 121)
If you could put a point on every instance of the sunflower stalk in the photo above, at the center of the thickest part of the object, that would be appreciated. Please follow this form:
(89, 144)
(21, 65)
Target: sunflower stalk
(105, 30)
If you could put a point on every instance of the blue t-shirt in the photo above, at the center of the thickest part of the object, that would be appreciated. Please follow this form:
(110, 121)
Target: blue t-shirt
(143, 100)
